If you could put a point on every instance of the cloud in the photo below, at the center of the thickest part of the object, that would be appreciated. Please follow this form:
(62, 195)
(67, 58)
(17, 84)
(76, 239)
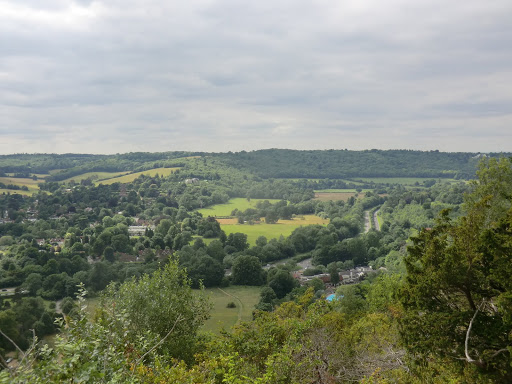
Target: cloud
(217, 75)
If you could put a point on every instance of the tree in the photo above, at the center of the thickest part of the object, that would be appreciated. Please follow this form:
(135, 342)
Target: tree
(238, 240)
(33, 283)
(108, 254)
(205, 269)
(282, 282)
(161, 303)
(247, 270)
(458, 292)
(333, 271)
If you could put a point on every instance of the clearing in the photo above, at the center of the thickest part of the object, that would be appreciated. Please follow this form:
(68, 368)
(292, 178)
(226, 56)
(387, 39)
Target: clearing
(29, 183)
(222, 317)
(132, 176)
(94, 176)
(335, 196)
(272, 231)
(225, 209)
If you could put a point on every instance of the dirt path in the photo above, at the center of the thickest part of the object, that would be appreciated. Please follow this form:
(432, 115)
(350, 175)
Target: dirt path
(376, 220)
(367, 224)
(240, 304)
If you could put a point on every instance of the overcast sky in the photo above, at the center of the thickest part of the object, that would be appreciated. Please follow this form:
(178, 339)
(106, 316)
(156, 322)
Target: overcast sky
(127, 75)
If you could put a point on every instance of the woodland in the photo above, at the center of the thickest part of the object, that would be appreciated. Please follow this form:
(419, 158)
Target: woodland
(435, 307)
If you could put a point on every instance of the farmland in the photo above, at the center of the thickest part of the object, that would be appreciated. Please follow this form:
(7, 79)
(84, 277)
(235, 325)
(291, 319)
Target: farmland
(335, 196)
(11, 191)
(225, 209)
(272, 231)
(95, 176)
(31, 184)
(132, 176)
(244, 297)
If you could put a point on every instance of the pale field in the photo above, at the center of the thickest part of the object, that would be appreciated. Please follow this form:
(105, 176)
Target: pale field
(32, 185)
(335, 196)
(94, 176)
(132, 176)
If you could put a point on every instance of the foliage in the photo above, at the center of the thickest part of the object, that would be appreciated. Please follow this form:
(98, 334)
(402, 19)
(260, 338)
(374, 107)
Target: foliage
(457, 297)
(155, 303)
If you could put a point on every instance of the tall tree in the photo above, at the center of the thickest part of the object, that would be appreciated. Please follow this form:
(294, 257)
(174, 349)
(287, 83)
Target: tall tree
(458, 292)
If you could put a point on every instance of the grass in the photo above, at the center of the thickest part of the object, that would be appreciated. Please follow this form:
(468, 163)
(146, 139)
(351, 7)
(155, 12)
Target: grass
(132, 176)
(12, 191)
(327, 196)
(95, 176)
(31, 184)
(245, 298)
(226, 209)
(347, 190)
(272, 231)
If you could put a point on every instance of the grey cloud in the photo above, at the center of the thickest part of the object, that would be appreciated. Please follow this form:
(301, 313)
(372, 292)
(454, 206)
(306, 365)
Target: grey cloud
(226, 75)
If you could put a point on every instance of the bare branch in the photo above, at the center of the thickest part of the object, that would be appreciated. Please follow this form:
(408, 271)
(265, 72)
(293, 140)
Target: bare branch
(34, 342)
(4, 363)
(12, 342)
(178, 319)
(466, 343)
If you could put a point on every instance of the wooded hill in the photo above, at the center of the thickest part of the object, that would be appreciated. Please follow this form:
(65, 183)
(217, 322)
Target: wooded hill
(269, 163)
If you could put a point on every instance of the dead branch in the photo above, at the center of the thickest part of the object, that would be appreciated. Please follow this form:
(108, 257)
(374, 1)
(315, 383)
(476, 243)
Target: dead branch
(178, 319)
(479, 363)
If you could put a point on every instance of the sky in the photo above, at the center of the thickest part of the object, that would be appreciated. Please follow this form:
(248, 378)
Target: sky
(122, 76)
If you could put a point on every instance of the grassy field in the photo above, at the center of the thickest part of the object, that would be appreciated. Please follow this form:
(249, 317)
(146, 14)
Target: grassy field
(41, 175)
(272, 231)
(226, 209)
(326, 196)
(95, 176)
(348, 190)
(132, 176)
(11, 191)
(245, 298)
(29, 183)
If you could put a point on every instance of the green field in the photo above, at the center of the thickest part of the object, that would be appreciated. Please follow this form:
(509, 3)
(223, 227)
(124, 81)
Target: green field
(132, 176)
(245, 299)
(226, 209)
(272, 231)
(94, 176)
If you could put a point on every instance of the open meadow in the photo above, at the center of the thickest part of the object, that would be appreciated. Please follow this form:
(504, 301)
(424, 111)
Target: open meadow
(94, 176)
(19, 192)
(237, 203)
(272, 231)
(222, 317)
(132, 176)
(335, 195)
(31, 184)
